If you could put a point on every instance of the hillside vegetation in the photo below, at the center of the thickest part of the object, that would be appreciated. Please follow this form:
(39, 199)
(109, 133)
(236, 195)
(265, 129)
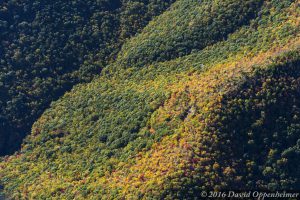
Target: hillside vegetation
(49, 46)
(187, 27)
(206, 97)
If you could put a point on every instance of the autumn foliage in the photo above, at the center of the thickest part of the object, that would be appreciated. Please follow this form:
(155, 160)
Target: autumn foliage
(224, 115)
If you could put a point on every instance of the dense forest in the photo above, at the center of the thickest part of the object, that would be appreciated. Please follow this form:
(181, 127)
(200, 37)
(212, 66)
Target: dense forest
(49, 46)
(149, 99)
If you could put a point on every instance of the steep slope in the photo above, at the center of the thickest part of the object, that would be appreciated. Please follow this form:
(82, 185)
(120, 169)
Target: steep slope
(48, 46)
(188, 26)
(171, 129)
(227, 139)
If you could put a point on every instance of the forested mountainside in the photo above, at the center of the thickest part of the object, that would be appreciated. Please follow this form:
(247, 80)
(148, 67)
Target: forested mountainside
(205, 97)
(49, 46)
